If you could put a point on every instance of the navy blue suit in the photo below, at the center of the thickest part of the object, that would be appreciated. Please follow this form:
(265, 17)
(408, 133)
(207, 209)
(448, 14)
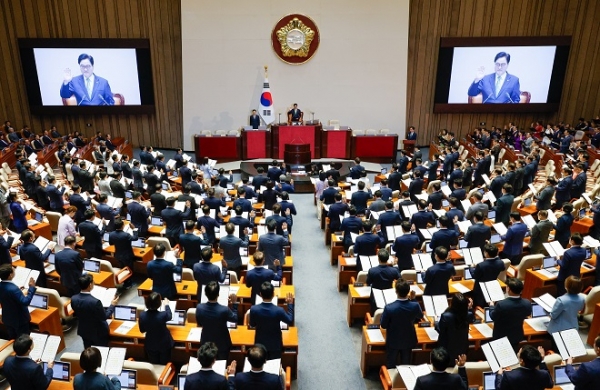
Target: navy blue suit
(443, 380)
(435, 199)
(34, 259)
(56, 197)
(161, 272)
(415, 188)
(563, 190)
(404, 246)
(14, 308)
(25, 374)
(388, 218)
(359, 200)
(272, 245)
(510, 91)
(328, 195)
(109, 214)
(508, 316)
(139, 217)
(486, 271)
(352, 224)
(190, 244)
(586, 377)
(436, 278)
(335, 210)
(570, 265)
(257, 276)
(243, 223)
(443, 237)
(69, 266)
(244, 203)
(399, 319)
(578, 186)
(269, 198)
(93, 238)
(213, 318)
(173, 220)
(101, 93)
(208, 380)
(394, 181)
(503, 207)
(93, 328)
(265, 318)
(81, 204)
(366, 245)
(524, 378)
(257, 380)
(230, 245)
(206, 272)
(159, 344)
(123, 250)
(433, 167)
(209, 224)
(386, 193)
(562, 229)
(280, 219)
(5, 257)
(382, 277)
(477, 234)
(513, 240)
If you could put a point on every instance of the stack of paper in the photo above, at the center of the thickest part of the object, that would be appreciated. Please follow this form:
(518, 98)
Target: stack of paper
(492, 292)
(500, 354)
(375, 335)
(569, 343)
(410, 374)
(461, 288)
(539, 324)
(435, 305)
(364, 291)
(125, 327)
(485, 330)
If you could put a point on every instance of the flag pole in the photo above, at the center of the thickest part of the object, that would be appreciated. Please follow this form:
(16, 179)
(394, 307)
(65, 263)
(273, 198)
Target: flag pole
(266, 72)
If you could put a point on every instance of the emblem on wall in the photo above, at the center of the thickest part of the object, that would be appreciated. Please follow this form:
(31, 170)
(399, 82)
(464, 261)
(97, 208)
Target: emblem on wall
(295, 39)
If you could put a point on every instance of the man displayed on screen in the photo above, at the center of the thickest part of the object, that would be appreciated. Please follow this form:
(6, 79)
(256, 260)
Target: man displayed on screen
(295, 115)
(497, 87)
(88, 89)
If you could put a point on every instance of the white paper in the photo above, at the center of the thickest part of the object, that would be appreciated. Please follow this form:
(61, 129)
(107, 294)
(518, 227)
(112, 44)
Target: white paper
(375, 335)
(368, 262)
(435, 305)
(125, 327)
(363, 291)
(492, 291)
(546, 301)
(114, 361)
(528, 220)
(539, 324)
(547, 273)
(485, 330)
(569, 343)
(500, 228)
(432, 334)
(195, 334)
(460, 288)
(39, 341)
(499, 354)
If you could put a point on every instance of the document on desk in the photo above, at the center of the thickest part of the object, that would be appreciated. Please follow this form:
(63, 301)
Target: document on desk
(492, 292)
(351, 261)
(539, 324)
(432, 334)
(125, 327)
(499, 354)
(364, 291)
(546, 301)
(375, 335)
(485, 330)
(410, 374)
(547, 274)
(569, 343)
(460, 288)
(195, 334)
(500, 228)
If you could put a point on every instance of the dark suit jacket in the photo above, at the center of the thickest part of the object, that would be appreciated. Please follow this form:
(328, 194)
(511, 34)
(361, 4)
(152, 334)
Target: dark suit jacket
(578, 186)
(154, 324)
(513, 240)
(209, 224)
(435, 199)
(545, 198)
(477, 234)
(161, 273)
(352, 224)
(415, 188)
(190, 243)
(394, 181)
(213, 318)
(230, 245)
(34, 259)
(486, 271)
(109, 214)
(508, 316)
(254, 121)
(25, 374)
(139, 217)
(92, 318)
(335, 210)
(403, 246)
(138, 179)
(257, 276)
(443, 237)
(206, 272)
(280, 219)
(359, 200)
(399, 319)
(257, 380)
(388, 218)
(443, 380)
(101, 93)
(382, 277)
(436, 278)
(265, 318)
(272, 245)
(510, 92)
(244, 203)
(563, 190)
(5, 257)
(524, 378)
(14, 304)
(69, 266)
(117, 189)
(93, 237)
(173, 219)
(453, 334)
(570, 264)
(123, 249)
(587, 377)
(563, 229)
(55, 196)
(81, 204)
(208, 380)
(539, 235)
(433, 167)
(496, 186)
(269, 197)
(503, 207)
(243, 223)
(366, 244)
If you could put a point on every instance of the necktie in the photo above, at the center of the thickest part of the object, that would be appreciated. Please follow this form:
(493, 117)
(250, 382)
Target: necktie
(498, 79)
(88, 86)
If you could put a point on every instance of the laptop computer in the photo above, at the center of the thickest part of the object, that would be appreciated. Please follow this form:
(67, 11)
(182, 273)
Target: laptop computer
(420, 277)
(105, 237)
(560, 377)
(165, 186)
(128, 379)
(527, 202)
(39, 301)
(139, 243)
(383, 171)
(180, 381)
(128, 217)
(178, 318)
(489, 381)
(582, 213)
(488, 318)
(491, 214)
(91, 265)
(537, 311)
(61, 371)
(462, 244)
(156, 221)
(549, 264)
(125, 313)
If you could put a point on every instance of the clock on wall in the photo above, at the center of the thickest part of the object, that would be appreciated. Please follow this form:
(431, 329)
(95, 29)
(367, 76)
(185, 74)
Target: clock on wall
(295, 39)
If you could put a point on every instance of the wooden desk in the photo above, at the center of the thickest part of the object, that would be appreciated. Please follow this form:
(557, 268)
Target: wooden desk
(102, 278)
(227, 148)
(281, 135)
(595, 326)
(42, 229)
(47, 321)
(345, 272)
(372, 354)
(62, 385)
(241, 338)
(582, 226)
(377, 148)
(337, 248)
(535, 280)
(142, 257)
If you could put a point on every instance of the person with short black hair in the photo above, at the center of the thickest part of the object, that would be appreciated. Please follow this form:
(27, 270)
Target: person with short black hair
(478, 234)
(587, 376)
(22, 372)
(122, 242)
(93, 234)
(445, 237)
(213, 318)
(15, 315)
(230, 246)
(359, 198)
(69, 266)
(399, 318)
(439, 378)
(403, 246)
(513, 239)
(509, 314)
(206, 272)
(367, 243)
(562, 227)
(532, 373)
(258, 275)
(208, 223)
(154, 324)
(90, 360)
(350, 224)
(540, 233)
(207, 378)
(191, 244)
(33, 257)
(489, 269)
(173, 219)
(272, 245)
(257, 378)
(504, 204)
(139, 214)
(266, 318)
(161, 272)
(570, 264)
(437, 276)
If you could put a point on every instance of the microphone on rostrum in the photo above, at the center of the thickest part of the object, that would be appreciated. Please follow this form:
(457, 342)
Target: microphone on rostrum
(488, 98)
(508, 95)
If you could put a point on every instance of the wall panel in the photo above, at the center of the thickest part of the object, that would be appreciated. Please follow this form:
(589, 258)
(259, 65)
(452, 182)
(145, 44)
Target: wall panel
(158, 21)
(429, 22)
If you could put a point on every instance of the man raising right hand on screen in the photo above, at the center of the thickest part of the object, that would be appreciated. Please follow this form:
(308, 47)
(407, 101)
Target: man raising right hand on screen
(498, 87)
(88, 89)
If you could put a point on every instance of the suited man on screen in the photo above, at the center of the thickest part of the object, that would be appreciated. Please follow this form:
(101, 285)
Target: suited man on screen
(497, 87)
(89, 89)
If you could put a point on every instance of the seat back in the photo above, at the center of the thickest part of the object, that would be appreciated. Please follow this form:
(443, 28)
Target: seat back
(461, 148)
(516, 202)
(371, 132)
(191, 315)
(430, 185)
(501, 154)
(206, 133)
(362, 277)
(579, 135)
(73, 358)
(152, 241)
(358, 132)
(502, 275)
(377, 316)
(146, 374)
(475, 372)
(6, 168)
(595, 164)
(55, 300)
(187, 274)
(552, 360)
(409, 274)
(6, 349)
(334, 122)
(53, 218)
(384, 131)
(233, 279)
(221, 133)
(233, 132)
(591, 300)
(528, 262)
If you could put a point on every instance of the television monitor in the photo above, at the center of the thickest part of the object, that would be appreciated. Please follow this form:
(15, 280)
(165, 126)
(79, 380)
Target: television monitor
(496, 74)
(87, 76)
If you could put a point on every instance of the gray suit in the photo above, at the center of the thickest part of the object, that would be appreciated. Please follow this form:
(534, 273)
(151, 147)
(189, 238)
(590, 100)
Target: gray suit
(104, 187)
(4, 209)
(475, 207)
(271, 245)
(231, 244)
(545, 198)
(539, 235)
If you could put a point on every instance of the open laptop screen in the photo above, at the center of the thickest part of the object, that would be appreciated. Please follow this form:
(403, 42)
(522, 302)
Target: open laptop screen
(128, 379)
(39, 301)
(125, 313)
(91, 266)
(489, 381)
(61, 371)
(178, 318)
(549, 262)
(180, 381)
(537, 311)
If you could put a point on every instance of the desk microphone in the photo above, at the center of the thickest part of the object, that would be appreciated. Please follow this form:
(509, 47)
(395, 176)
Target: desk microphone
(488, 98)
(81, 101)
(508, 96)
(105, 102)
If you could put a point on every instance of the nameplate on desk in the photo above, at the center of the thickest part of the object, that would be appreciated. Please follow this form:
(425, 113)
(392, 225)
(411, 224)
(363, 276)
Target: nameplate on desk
(373, 326)
(424, 324)
(358, 284)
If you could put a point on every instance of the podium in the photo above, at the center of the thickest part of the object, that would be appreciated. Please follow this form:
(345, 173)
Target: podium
(336, 143)
(376, 148)
(284, 134)
(256, 144)
(228, 148)
(409, 146)
(296, 154)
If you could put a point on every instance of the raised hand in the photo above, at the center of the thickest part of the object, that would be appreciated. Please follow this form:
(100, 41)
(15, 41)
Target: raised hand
(480, 73)
(289, 299)
(67, 76)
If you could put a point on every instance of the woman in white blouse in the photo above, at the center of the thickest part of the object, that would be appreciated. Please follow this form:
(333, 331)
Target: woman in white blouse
(66, 225)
